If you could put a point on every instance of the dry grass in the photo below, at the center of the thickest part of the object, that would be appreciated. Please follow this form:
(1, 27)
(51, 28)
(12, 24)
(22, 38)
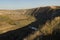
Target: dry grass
(14, 19)
(8, 22)
(47, 29)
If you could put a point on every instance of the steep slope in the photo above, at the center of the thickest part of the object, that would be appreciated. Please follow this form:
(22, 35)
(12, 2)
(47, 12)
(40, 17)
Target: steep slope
(30, 23)
(47, 20)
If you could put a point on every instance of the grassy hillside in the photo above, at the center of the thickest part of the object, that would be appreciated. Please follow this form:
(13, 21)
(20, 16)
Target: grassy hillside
(12, 22)
(20, 22)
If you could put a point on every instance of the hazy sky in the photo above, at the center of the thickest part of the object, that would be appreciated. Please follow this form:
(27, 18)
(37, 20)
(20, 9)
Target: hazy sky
(21, 4)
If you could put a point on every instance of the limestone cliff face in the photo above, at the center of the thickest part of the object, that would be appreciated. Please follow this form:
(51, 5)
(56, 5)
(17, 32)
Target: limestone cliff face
(20, 24)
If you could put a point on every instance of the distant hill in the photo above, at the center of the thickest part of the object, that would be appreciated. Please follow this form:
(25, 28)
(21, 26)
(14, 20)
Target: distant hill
(30, 23)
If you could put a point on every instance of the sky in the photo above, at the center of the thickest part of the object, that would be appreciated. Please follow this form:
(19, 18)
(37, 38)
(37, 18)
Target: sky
(26, 4)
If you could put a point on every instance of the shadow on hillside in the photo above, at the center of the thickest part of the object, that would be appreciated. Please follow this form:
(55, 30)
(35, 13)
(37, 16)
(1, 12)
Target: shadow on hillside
(42, 17)
(55, 36)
